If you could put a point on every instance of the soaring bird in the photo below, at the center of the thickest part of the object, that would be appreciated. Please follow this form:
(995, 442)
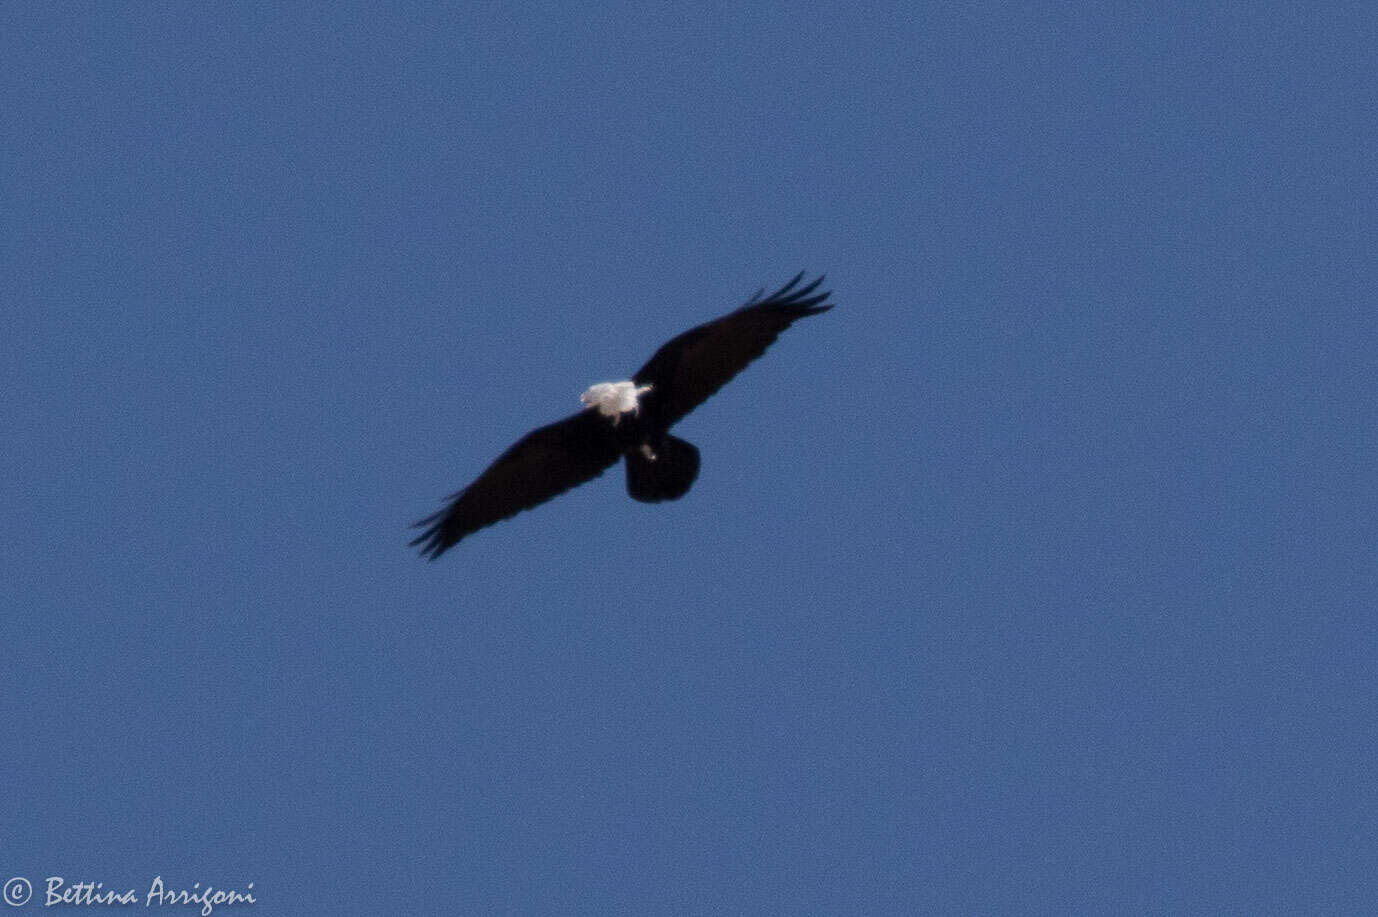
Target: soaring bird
(628, 419)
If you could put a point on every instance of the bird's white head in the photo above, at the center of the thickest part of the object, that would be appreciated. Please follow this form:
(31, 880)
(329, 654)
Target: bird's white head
(613, 399)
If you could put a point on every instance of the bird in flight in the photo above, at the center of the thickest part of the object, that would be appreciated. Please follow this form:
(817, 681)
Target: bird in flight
(628, 419)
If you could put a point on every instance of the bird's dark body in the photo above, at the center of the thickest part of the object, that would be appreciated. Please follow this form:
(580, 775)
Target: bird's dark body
(633, 432)
(682, 374)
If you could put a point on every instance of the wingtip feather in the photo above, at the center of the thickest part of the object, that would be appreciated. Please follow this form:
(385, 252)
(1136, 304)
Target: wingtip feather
(802, 298)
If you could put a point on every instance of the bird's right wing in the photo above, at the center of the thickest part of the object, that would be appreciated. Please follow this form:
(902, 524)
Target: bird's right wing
(542, 464)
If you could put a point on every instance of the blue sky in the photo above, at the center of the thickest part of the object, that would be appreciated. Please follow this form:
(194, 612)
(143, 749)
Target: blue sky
(1037, 576)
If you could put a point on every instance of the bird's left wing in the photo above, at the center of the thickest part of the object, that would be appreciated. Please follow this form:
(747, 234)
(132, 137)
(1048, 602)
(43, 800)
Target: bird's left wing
(542, 464)
(688, 369)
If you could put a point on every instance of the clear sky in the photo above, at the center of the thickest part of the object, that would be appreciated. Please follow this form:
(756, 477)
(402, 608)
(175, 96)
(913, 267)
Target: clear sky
(1037, 576)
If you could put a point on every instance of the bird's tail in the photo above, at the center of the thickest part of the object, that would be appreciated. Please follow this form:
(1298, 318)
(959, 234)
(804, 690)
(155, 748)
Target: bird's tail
(667, 476)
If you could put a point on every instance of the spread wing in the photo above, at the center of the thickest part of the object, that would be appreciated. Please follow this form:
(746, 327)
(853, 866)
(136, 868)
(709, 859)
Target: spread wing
(542, 464)
(691, 367)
